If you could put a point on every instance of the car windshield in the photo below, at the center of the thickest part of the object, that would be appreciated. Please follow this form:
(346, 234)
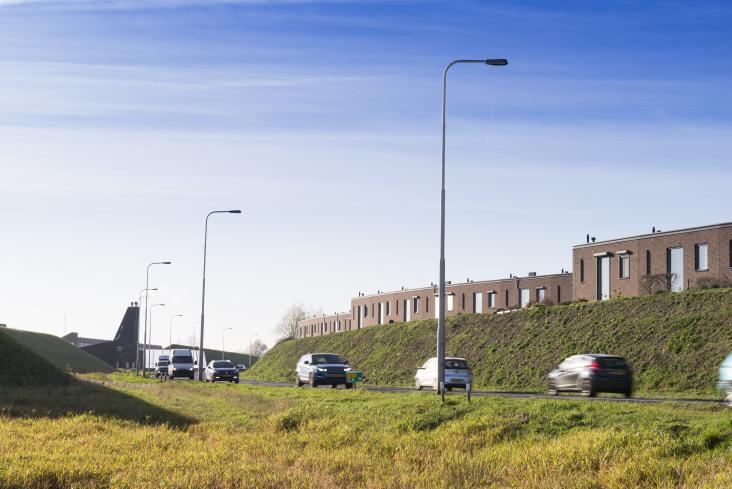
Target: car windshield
(182, 359)
(223, 364)
(612, 362)
(456, 364)
(326, 358)
(163, 363)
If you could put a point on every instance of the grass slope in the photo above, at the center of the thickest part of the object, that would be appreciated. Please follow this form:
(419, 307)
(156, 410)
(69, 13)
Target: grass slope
(233, 436)
(21, 366)
(675, 343)
(59, 352)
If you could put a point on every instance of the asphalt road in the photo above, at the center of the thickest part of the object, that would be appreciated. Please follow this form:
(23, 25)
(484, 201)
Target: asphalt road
(527, 395)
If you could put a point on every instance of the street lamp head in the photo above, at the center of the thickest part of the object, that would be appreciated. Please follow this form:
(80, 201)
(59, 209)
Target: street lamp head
(496, 62)
(166, 263)
(235, 211)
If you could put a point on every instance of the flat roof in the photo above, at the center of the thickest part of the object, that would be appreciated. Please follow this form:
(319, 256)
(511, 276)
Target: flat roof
(651, 235)
(478, 282)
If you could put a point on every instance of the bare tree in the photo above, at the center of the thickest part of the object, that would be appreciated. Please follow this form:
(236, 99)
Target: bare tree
(287, 327)
(257, 348)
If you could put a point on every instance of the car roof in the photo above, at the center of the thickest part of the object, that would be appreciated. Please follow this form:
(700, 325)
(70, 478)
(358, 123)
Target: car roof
(447, 358)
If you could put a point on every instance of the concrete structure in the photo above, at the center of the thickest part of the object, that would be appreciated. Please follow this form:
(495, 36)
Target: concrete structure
(632, 266)
(639, 265)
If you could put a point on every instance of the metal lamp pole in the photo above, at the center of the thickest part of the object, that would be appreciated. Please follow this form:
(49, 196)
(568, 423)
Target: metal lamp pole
(149, 338)
(170, 329)
(203, 288)
(223, 345)
(147, 285)
(441, 320)
(137, 333)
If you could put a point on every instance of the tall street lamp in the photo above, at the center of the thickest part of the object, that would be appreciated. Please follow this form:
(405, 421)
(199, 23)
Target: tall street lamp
(203, 288)
(147, 285)
(149, 338)
(137, 332)
(223, 345)
(170, 329)
(441, 320)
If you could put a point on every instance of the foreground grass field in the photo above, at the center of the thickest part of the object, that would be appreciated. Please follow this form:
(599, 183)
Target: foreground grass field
(122, 432)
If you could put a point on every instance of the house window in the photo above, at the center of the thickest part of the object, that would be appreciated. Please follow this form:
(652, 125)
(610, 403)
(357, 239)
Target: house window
(559, 294)
(648, 262)
(491, 300)
(701, 257)
(506, 298)
(524, 297)
(388, 308)
(415, 304)
(478, 302)
(540, 293)
(426, 304)
(582, 270)
(365, 311)
(624, 265)
(730, 252)
(450, 302)
(462, 302)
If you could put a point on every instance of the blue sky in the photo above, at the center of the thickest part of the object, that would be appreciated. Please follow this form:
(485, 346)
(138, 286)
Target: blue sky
(122, 123)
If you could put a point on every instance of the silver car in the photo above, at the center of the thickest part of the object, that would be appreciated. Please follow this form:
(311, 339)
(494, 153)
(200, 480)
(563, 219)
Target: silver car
(457, 374)
(221, 371)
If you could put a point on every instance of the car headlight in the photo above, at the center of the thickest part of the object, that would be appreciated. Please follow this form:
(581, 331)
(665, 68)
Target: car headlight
(322, 369)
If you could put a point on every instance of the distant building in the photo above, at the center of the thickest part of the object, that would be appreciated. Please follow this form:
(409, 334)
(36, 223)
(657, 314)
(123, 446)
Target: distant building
(80, 341)
(632, 266)
(484, 297)
(121, 352)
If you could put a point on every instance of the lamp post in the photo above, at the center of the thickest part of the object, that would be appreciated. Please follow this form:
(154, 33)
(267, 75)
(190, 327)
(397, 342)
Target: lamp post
(223, 345)
(249, 356)
(149, 337)
(203, 288)
(137, 332)
(441, 319)
(170, 329)
(147, 285)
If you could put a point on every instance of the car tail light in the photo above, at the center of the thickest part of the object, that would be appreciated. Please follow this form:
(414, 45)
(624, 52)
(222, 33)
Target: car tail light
(595, 365)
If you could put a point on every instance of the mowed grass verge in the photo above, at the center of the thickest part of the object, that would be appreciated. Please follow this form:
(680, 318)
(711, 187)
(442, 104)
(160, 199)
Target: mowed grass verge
(188, 434)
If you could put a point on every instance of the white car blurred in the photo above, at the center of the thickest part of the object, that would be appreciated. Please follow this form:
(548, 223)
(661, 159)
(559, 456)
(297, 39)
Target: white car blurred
(457, 374)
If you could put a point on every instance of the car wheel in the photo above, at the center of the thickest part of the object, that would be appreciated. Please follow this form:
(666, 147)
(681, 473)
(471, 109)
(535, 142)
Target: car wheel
(417, 386)
(449, 389)
(553, 391)
(587, 389)
(349, 386)
(628, 394)
(334, 386)
(298, 382)
(312, 381)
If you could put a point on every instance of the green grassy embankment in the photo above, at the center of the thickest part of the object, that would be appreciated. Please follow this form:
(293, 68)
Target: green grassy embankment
(675, 343)
(59, 352)
(227, 436)
(21, 366)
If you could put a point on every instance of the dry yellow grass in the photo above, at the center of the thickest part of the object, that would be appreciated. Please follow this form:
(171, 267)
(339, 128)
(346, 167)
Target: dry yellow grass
(184, 434)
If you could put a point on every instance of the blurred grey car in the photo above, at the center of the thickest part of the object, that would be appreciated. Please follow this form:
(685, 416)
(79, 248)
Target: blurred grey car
(591, 373)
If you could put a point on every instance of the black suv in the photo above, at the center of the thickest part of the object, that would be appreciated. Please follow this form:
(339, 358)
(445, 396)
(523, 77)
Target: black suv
(592, 373)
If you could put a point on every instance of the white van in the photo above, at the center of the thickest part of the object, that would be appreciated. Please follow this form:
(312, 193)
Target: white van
(181, 364)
